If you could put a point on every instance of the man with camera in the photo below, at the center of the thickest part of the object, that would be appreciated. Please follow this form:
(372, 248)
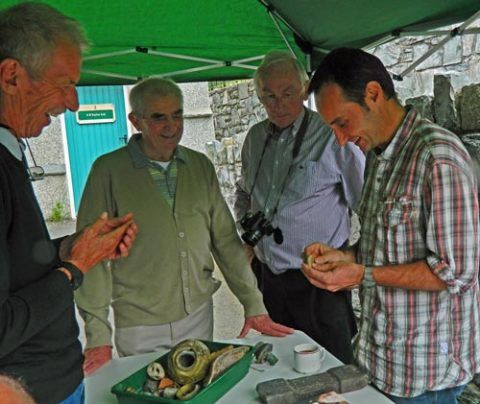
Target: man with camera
(297, 186)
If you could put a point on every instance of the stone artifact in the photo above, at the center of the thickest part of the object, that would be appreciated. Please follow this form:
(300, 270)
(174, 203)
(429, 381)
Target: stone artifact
(189, 367)
(308, 259)
(216, 354)
(341, 379)
(150, 385)
(224, 362)
(262, 352)
(155, 371)
(170, 392)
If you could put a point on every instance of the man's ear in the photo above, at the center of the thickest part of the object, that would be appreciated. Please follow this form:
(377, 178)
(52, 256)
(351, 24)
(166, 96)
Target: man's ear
(10, 69)
(373, 93)
(134, 120)
(305, 90)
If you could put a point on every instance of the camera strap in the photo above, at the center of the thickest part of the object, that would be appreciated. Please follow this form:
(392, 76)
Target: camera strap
(299, 137)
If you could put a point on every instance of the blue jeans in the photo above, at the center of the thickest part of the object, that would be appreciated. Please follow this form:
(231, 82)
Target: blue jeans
(446, 396)
(77, 397)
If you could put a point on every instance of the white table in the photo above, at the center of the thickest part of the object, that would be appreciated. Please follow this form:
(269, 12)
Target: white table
(99, 384)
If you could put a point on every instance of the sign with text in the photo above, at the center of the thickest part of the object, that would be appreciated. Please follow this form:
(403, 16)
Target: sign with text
(95, 113)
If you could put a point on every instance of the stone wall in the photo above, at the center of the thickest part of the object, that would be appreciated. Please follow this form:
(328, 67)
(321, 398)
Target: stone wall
(235, 109)
(445, 88)
(459, 58)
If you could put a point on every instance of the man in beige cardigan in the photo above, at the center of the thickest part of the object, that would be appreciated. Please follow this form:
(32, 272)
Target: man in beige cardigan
(162, 293)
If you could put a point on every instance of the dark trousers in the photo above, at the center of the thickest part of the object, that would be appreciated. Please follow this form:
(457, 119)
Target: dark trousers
(324, 316)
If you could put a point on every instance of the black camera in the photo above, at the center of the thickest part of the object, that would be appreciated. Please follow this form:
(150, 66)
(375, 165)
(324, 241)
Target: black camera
(256, 226)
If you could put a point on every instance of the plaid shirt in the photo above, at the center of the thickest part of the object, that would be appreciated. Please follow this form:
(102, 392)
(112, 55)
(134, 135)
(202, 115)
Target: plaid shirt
(419, 202)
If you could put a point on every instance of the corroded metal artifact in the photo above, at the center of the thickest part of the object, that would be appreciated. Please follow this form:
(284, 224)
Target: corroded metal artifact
(188, 361)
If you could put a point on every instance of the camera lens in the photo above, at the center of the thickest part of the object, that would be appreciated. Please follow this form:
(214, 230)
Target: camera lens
(252, 238)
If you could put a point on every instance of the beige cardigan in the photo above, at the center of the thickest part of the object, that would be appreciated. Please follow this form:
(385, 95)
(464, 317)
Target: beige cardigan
(168, 273)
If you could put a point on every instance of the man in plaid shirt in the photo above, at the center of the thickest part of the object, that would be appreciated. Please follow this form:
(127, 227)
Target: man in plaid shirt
(417, 259)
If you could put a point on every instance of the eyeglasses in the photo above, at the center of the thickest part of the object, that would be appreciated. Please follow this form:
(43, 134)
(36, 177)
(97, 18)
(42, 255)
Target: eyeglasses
(35, 172)
(286, 97)
(161, 119)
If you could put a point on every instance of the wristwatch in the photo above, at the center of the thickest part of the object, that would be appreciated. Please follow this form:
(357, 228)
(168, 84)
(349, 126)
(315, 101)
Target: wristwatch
(76, 275)
(368, 281)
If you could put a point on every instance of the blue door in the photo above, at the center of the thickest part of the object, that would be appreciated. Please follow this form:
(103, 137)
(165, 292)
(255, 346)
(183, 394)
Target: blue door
(88, 141)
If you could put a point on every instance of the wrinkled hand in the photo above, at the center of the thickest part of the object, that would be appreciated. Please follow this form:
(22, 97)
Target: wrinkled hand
(96, 358)
(249, 252)
(323, 253)
(104, 239)
(128, 237)
(334, 276)
(265, 325)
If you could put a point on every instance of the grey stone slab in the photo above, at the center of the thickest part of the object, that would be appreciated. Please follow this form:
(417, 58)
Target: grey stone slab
(452, 53)
(283, 391)
(341, 379)
(433, 60)
(469, 107)
(243, 92)
(444, 105)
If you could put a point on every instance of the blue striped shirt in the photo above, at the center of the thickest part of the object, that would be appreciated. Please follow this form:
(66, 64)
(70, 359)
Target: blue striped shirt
(323, 181)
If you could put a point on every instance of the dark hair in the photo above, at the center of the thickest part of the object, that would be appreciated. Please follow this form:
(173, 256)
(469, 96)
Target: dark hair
(352, 69)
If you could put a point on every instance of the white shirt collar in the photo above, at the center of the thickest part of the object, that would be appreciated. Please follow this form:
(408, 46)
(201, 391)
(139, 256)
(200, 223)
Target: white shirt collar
(11, 143)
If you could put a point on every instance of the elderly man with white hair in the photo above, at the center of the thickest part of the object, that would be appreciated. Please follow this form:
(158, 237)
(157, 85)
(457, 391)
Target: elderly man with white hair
(295, 174)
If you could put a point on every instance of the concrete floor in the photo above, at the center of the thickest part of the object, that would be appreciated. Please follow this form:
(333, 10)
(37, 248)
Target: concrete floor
(228, 313)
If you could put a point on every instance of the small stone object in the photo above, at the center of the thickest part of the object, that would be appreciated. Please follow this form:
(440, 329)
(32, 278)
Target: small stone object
(224, 362)
(166, 382)
(150, 385)
(263, 352)
(308, 259)
(170, 392)
(331, 398)
(341, 379)
(155, 371)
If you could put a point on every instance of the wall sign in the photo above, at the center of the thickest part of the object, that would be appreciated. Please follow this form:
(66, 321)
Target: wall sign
(95, 113)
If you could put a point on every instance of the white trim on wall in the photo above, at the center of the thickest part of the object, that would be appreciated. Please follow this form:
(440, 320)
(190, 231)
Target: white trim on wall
(126, 92)
(67, 167)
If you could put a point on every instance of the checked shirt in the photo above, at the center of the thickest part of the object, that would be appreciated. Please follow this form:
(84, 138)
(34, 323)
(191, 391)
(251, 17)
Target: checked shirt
(419, 203)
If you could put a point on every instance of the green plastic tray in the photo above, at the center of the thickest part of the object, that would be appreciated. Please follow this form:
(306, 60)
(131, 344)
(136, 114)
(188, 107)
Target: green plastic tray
(208, 394)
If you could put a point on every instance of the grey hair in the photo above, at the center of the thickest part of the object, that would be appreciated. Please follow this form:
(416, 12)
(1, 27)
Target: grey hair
(278, 60)
(30, 32)
(152, 88)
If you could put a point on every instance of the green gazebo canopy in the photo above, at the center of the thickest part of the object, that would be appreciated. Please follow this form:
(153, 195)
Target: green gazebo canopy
(199, 40)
